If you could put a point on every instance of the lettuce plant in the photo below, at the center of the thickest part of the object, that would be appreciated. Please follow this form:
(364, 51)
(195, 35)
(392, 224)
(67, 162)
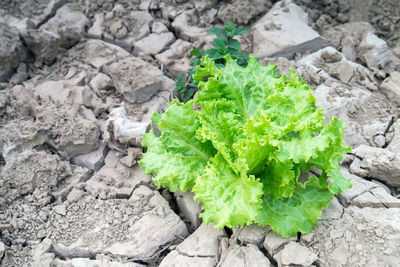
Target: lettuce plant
(245, 145)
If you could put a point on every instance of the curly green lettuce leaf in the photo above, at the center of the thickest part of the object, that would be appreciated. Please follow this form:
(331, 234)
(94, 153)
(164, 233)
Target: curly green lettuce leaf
(228, 199)
(177, 157)
(255, 148)
(279, 179)
(246, 88)
(222, 126)
(298, 213)
(328, 159)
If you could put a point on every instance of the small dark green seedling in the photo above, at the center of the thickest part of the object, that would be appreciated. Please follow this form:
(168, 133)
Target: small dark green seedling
(186, 91)
(224, 44)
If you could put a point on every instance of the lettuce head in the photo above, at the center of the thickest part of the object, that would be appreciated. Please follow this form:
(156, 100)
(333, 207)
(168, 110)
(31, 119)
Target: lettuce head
(245, 147)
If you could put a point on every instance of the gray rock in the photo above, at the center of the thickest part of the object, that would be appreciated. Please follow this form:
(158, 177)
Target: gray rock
(40, 255)
(142, 24)
(252, 234)
(83, 134)
(189, 208)
(208, 17)
(51, 124)
(380, 140)
(93, 160)
(144, 5)
(131, 27)
(79, 175)
(48, 12)
(2, 249)
(132, 157)
(283, 31)
(43, 44)
(333, 212)
(80, 262)
(176, 59)
(185, 25)
(17, 136)
(75, 195)
(204, 242)
(21, 24)
(363, 236)
(154, 43)
(141, 192)
(391, 87)
(342, 70)
(360, 186)
(198, 249)
(384, 187)
(21, 74)
(133, 228)
(376, 198)
(394, 144)
(97, 53)
(175, 259)
(42, 248)
(273, 242)
(373, 51)
(379, 163)
(118, 29)
(346, 37)
(348, 48)
(11, 51)
(45, 260)
(244, 256)
(69, 24)
(151, 231)
(29, 171)
(101, 82)
(65, 91)
(295, 254)
(60, 209)
(134, 78)
(96, 31)
(242, 12)
(114, 180)
(158, 27)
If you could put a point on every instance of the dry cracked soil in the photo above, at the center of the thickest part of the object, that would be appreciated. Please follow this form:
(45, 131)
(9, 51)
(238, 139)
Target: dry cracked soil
(80, 79)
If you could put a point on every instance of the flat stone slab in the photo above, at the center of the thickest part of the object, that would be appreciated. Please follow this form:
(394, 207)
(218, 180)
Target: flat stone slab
(93, 160)
(244, 256)
(379, 163)
(391, 87)
(79, 262)
(294, 254)
(134, 78)
(283, 31)
(98, 52)
(136, 228)
(200, 249)
(154, 43)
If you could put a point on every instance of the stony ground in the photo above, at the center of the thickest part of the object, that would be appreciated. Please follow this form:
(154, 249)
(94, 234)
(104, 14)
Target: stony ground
(80, 79)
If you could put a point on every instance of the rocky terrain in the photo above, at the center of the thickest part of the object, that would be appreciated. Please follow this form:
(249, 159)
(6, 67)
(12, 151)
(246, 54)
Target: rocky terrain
(80, 79)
